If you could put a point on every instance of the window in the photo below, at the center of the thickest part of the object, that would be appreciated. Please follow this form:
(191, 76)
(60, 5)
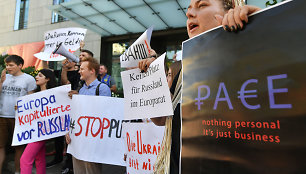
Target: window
(21, 14)
(117, 50)
(55, 16)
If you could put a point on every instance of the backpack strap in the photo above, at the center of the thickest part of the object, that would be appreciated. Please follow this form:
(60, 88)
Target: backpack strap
(98, 89)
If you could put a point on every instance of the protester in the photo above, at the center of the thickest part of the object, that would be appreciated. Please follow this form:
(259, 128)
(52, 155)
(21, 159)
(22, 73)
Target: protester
(85, 54)
(45, 79)
(106, 78)
(89, 71)
(203, 15)
(68, 75)
(12, 85)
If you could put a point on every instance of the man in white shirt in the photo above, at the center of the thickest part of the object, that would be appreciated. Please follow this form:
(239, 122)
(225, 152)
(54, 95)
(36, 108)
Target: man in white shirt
(12, 85)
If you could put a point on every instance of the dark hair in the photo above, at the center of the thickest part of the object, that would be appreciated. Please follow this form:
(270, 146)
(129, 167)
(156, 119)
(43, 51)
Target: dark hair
(92, 64)
(14, 58)
(104, 66)
(88, 52)
(49, 74)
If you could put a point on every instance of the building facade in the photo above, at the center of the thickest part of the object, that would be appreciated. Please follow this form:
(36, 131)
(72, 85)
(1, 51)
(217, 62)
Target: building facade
(24, 23)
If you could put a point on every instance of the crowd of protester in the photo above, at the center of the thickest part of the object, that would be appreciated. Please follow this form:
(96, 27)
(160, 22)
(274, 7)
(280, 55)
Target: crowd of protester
(85, 79)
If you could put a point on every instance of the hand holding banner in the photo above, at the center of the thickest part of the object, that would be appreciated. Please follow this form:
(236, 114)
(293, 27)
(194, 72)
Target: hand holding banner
(42, 115)
(139, 50)
(147, 94)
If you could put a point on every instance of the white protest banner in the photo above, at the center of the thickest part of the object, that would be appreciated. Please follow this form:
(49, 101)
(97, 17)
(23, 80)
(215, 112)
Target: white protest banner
(70, 37)
(146, 94)
(142, 143)
(139, 50)
(96, 127)
(42, 115)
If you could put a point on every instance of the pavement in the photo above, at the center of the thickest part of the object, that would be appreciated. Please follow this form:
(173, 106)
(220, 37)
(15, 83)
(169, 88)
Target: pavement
(9, 166)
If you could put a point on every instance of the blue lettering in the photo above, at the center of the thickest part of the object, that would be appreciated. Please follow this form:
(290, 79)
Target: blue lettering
(19, 106)
(272, 91)
(37, 105)
(227, 99)
(39, 128)
(242, 93)
(199, 103)
(44, 103)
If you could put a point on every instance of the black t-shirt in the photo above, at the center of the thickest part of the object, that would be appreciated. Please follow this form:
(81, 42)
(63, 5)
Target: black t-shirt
(74, 78)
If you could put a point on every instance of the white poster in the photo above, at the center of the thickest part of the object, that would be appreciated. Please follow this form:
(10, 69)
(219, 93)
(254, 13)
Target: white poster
(139, 50)
(142, 143)
(146, 94)
(95, 130)
(42, 115)
(69, 37)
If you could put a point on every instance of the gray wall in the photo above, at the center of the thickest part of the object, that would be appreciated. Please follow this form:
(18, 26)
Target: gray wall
(39, 21)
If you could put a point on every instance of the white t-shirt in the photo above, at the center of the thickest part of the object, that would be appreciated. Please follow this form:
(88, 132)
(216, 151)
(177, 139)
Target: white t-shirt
(12, 88)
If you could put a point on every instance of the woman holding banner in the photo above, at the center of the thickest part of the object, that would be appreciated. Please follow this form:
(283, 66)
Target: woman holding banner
(45, 79)
(202, 15)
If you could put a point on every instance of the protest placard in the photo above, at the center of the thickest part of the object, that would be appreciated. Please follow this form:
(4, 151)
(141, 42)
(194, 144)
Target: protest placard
(243, 107)
(146, 94)
(95, 130)
(42, 115)
(139, 50)
(142, 143)
(69, 37)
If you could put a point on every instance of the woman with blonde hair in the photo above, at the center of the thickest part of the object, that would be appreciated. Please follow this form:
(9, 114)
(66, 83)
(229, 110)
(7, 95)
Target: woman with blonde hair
(202, 15)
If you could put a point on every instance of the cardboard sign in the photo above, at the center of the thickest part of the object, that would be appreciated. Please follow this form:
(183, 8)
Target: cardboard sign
(139, 50)
(142, 143)
(146, 94)
(96, 129)
(70, 37)
(244, 103)
(42, 115)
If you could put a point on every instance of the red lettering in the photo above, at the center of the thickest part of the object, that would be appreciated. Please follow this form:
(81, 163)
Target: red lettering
(128, 141)
(144, 149)
(87, 127)
(79, 133)
(104, 127)
(139, 140)
(68, 108)
(149, 148)
(97, 118)
(20, 120)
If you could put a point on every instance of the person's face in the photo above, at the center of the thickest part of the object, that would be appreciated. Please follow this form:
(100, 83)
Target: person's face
(169, 77)
(102, 70)
(41, 79)
(12, 68)
(201, 16)
(83, 55)
(85, 72)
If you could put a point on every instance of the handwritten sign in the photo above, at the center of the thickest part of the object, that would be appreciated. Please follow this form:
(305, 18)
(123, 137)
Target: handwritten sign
(139, 50)
(142, 143)
(70, 37)
(147, 94)
(42, 115)
(96, 129)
